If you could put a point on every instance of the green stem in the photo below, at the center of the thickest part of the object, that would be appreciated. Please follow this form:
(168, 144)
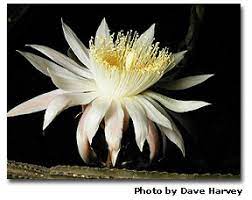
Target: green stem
(18, 170)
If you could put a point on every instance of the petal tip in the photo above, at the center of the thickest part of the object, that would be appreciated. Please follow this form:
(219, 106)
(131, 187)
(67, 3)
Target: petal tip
(207, 76)
(184, 52)
(141, 145)
(14, 112)
(46, 123)
(104, 19)
(182, 149)
(30, 45)
(34, 46)
(114, 155)
(204, 104)
(63, 23)
(181, 53)
(10, 114)
(103, 22)
(19, 51)
(183, 153)
(44, 126)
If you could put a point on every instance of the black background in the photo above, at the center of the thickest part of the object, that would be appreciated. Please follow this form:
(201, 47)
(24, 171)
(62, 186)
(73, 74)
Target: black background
(212, 134)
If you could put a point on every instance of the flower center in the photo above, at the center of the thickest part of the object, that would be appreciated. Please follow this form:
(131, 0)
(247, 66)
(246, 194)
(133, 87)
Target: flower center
(130, 52)
(127, 64)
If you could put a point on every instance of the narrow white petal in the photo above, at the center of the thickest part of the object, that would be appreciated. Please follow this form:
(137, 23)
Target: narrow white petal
(148, 36)
(86, 152)
(153, 140)
(102, 33)
(76, 45)
(43, 65)
(177, 58)
(71, 83)
(152, 113)
(38, 62)
(95, 115)
(174, 136)
(176, 105)
(114, 120)
(138, 116)
(114, 155)
(64, 101)
(184, 83)
(35, 104)
(157, 106)
(60, 71)
(163, 111)
(63, 60)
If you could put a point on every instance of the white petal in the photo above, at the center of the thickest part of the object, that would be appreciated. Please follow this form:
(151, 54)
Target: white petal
(114, 155)
(148, 36)
(177, 58)
(43, 64)
(64, 101)
(63, 60)
(157, 106)
(95, 115)
(176, 105)
(71, 83)
(114, 120)
(84, 148)
(138, 116)
(38, 62)
(152, 113)
(76, 45)
(102, 33)
(174, 136)
(153, 140)
(184, 83)
(35, 104)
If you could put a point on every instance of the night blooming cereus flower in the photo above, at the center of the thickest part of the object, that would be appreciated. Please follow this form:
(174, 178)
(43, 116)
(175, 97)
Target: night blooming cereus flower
(111, 82)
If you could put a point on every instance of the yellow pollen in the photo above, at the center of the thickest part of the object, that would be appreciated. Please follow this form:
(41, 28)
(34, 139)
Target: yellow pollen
(129, 52)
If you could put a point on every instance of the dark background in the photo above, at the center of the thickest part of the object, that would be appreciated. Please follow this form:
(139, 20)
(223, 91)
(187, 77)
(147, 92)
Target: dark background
(212, 135)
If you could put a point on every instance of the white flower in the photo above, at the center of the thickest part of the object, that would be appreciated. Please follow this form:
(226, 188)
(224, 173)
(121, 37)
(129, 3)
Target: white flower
(112, 84)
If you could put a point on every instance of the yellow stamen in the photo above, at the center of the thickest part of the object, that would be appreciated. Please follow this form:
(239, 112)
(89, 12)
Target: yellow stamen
(128, 53)
(129, 60)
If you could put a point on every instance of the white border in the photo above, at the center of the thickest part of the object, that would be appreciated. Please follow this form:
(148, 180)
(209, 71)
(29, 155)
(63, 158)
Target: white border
(125, 190)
